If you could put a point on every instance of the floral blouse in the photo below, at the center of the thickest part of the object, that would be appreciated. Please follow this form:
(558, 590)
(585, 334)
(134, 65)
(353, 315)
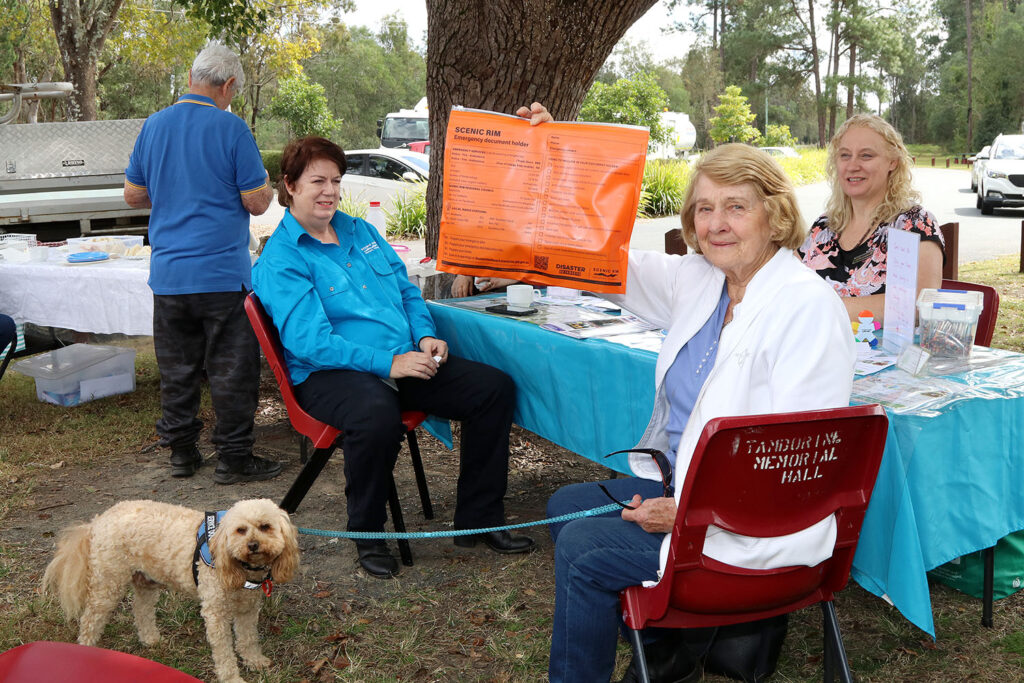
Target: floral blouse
(861, 271)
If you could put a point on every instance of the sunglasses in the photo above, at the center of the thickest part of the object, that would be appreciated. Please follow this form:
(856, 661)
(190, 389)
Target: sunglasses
(661, 460)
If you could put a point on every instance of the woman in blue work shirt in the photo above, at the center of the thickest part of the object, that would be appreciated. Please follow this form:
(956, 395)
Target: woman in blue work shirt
(360, 347)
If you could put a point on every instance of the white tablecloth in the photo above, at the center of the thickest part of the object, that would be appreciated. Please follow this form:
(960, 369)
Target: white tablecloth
(108, 297)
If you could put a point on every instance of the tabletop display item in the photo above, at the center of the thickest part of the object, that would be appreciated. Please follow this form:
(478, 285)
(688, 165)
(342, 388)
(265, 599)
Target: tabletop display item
(948, 321)
(87, 257)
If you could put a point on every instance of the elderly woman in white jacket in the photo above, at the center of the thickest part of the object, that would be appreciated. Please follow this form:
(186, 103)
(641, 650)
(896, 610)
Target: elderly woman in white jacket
(750, 330)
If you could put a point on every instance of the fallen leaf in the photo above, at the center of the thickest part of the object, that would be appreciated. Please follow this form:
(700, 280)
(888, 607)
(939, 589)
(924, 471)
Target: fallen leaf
(322, 594)
(57, 465)
(44, 515)
(478, 642)
(336, 637)
(340, 662)
(317, 665)
(345, 607)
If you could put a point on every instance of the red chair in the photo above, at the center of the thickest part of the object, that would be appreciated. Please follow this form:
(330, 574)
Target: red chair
(989, 311)
(50, 661)
(762, 476)
(325, 438)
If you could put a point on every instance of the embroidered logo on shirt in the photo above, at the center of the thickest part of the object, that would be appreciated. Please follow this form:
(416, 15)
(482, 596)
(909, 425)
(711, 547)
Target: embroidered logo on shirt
(369, 248)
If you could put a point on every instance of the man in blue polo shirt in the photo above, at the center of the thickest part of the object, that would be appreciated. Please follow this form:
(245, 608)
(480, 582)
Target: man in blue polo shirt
(199, 169)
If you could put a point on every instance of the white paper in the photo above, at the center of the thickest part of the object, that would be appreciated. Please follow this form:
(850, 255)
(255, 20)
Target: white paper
(900, 289)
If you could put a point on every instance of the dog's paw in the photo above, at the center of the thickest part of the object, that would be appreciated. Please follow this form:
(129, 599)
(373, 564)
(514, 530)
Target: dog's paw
(149, 639)
(258, 661)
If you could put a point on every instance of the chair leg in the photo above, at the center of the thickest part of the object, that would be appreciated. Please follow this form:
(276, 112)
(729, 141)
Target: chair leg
(399, 522)
(421, 478)
(988, 588)
(307, 475)
(638, 654)
(835, 653)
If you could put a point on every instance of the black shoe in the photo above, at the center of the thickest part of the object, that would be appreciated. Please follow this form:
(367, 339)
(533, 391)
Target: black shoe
(498, 541)
(254, 469)
(185, 461)
(668, 661)
(376, 559)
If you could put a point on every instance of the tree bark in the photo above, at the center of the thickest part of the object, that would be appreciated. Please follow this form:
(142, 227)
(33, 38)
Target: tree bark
(851, 84)
(970, 77)
(501, 54)
(819, 104)
(81, 28)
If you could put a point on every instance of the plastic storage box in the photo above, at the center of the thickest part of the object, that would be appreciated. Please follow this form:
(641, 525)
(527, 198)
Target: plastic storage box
(80, 372)
(948, 321)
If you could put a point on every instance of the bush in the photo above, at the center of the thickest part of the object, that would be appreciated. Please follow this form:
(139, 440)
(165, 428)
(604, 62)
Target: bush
(809, 168)
(408, 215)
(272, 162)
(664, 187)
(353, 206)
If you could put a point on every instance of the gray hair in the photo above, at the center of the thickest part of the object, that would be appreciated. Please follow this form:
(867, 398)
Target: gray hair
(215, 64)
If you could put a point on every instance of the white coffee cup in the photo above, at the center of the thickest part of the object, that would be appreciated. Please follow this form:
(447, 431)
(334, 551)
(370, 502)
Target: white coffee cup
(519, 297)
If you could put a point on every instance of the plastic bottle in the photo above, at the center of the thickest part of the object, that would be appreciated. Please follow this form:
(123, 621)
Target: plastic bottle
(375, 217)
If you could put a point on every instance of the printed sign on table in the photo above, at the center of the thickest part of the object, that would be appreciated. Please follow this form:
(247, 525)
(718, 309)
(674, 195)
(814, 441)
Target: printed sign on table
(900, 288)
(552, 204)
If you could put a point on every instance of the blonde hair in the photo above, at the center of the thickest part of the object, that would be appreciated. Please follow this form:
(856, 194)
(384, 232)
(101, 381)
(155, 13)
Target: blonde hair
(900, 194)
(736, 164)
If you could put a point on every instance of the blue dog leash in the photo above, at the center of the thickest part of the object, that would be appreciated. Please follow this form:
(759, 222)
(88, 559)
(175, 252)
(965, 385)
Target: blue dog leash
(458, 532)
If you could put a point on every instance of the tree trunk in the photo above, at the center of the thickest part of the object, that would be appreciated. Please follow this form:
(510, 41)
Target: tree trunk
(851, 84)
(81, 28)
(833, 88)
(502, 54)
(970, 77)
(819, 104)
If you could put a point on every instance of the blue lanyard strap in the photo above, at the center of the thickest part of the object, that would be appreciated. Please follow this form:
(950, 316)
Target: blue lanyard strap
(458, 532)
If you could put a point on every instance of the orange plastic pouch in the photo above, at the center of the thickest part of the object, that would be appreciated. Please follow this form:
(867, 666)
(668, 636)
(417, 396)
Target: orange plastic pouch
(552, 204)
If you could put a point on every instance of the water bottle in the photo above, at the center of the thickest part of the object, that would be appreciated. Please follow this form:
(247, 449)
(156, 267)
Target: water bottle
(375, 217)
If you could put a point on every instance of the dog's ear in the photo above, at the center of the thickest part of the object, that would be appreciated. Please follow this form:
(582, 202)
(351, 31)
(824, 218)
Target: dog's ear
(285, 565)
(225, 567)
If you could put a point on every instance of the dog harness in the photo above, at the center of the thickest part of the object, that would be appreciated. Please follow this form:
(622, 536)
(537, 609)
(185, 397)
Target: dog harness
(203, 535)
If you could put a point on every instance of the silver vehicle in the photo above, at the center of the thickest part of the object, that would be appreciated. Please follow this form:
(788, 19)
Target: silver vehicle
(1001, 182)
(783, 152)
(379, 175)
(978, 165)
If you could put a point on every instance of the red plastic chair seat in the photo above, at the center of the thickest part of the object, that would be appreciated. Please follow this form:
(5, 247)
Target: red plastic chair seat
(46, 661)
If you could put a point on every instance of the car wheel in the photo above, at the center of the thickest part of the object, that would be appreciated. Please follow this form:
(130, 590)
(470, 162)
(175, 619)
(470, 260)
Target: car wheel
(977, 203)
(974, 186)
(987, 208)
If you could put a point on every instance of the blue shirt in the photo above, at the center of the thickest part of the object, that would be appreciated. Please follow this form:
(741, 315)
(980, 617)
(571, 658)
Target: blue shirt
(196, 161)
(687, 374)
(345, 306)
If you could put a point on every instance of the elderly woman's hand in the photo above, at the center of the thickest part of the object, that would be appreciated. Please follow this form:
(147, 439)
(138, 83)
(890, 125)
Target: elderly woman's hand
(654, 515)
(413, 364)
(536, 112)
(462, 286)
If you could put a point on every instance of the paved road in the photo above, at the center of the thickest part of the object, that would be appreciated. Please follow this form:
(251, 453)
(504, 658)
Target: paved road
(946, 193)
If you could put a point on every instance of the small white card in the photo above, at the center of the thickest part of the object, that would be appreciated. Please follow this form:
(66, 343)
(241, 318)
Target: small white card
(900, 289)
(912, 359)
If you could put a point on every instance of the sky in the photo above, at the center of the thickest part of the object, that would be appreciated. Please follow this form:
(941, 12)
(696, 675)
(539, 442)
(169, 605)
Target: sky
(370, 12)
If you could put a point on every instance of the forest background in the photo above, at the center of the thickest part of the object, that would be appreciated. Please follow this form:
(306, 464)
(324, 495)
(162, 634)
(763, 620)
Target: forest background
(944, 72)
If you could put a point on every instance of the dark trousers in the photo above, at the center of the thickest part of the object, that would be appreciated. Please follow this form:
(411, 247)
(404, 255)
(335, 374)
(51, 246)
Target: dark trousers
(196, 331)
(369, 413)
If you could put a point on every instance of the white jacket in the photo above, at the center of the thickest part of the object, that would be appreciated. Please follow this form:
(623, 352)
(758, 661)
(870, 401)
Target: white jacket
(788, 347)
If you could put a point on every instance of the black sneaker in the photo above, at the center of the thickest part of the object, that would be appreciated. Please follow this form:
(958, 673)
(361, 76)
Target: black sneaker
(185, 461)
(254, 469)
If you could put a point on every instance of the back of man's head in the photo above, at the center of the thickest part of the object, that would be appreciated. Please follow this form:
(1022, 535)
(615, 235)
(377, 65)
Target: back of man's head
(215, 64)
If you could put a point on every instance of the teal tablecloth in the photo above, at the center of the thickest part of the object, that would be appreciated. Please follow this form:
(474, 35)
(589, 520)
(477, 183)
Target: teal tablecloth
(950, 484)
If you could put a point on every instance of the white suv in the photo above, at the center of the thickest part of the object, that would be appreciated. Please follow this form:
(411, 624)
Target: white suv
(1001, 182)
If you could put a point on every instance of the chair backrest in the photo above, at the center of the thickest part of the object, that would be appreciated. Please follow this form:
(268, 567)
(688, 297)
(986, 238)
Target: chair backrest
(674, 242)
(320, 433)
(8, 340)
(951, 251)
(765, 476)
(989, 311)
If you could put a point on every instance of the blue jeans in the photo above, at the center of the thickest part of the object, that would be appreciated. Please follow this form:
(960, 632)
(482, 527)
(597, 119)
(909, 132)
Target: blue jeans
(595, 558)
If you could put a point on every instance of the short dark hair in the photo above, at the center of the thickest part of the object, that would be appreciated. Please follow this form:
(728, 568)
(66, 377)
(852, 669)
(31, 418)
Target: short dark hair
(298, 154)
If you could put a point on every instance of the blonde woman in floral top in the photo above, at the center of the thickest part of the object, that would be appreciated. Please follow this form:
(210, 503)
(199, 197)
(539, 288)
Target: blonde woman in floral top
(869, 170)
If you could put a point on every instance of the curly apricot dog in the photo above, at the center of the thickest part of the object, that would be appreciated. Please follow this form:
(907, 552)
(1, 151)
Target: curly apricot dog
(153, 545)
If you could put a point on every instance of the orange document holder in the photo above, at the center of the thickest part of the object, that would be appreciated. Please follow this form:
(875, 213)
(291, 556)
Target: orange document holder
(552, 204)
